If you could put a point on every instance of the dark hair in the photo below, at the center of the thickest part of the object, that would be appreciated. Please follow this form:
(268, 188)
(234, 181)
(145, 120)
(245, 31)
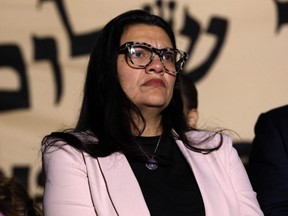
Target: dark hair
(106, 110)
(15, 200)
(189, 91)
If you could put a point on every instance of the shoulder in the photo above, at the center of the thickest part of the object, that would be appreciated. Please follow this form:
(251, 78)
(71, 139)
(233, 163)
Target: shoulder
(278, 110)
(276, 113)
(66, 142)
(226, 155)
(69, 138)
(209, 139)
(58, 150)
(275, 118)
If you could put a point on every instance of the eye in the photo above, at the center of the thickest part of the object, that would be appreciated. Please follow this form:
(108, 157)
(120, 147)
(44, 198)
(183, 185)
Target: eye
(139, 52)
(169, 56)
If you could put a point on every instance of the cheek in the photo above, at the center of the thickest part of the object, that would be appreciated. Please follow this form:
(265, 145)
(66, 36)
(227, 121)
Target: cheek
(127, 77)
(121, 71)
(171, 83)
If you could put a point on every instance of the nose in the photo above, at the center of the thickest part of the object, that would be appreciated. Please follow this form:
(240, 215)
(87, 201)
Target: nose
(156, 66)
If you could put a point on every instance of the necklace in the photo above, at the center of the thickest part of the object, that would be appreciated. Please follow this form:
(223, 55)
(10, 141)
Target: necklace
(151, 162)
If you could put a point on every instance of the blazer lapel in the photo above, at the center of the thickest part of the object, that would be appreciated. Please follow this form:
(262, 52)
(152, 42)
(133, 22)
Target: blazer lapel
(123, 187)
(211, 190)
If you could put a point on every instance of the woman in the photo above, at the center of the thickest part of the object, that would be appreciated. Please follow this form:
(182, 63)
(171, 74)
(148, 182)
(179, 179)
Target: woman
(131, 153)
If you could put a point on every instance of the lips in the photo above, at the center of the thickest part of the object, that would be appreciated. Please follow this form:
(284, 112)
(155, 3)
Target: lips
(154, 82)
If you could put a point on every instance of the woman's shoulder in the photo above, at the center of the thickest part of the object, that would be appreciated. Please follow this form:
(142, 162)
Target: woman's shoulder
(209, 138)
(58, 140)
(83, 136)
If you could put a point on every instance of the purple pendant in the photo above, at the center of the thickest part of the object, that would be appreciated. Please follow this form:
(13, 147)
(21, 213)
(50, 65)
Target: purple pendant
(151, 164)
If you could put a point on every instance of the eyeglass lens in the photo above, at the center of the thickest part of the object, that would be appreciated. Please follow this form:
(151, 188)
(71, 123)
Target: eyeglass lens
(142, 56)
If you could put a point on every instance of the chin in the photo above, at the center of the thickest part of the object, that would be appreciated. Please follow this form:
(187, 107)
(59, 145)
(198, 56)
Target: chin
(159, 105)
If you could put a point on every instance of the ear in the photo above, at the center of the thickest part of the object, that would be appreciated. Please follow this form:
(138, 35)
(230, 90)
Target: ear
(192, 118)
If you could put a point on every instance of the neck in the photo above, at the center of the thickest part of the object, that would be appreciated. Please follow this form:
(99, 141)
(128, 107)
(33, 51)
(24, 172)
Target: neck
(153, 125)
(152, 131)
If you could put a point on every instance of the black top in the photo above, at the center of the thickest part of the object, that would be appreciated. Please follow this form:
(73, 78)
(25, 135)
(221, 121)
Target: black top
(171, 189)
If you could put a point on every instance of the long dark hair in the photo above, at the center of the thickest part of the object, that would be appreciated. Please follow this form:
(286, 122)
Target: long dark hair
(106, 110)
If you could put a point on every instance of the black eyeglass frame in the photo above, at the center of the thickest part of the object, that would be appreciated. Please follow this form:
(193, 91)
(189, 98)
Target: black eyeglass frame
(179, 65)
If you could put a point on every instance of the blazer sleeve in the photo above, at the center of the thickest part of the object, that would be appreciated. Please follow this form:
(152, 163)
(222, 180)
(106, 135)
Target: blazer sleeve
(222, 179)
(66, 189)
(246, 197)
(268, 166)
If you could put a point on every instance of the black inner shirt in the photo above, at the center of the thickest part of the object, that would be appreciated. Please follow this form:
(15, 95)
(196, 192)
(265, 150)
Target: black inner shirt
(171, 189)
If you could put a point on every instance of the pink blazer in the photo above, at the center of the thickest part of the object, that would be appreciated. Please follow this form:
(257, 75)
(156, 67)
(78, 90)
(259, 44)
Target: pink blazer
(78, 184)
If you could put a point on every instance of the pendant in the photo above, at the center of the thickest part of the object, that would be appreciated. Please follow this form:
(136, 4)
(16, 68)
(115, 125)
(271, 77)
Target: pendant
(151, 164)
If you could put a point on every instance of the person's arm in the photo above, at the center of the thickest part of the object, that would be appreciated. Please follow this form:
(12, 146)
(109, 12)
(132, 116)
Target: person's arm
(247, 200)
(66, 189)
(268, 167)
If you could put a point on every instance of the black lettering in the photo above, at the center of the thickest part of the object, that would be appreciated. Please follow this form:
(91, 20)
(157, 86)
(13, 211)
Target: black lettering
(11, 56)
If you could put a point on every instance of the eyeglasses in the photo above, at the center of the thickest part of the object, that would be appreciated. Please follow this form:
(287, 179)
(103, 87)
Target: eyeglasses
(140, 55)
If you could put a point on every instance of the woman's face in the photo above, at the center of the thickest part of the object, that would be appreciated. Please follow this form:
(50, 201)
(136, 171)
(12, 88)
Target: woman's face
(148, 88)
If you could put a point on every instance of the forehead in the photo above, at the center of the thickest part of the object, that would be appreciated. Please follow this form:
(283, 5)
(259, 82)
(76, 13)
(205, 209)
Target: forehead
(151, 34)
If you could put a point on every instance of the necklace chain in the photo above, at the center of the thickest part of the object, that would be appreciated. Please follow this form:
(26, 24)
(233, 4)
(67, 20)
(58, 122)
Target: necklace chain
(151, 163)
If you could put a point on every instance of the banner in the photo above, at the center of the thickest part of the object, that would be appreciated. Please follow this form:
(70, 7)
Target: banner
(237, 56)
